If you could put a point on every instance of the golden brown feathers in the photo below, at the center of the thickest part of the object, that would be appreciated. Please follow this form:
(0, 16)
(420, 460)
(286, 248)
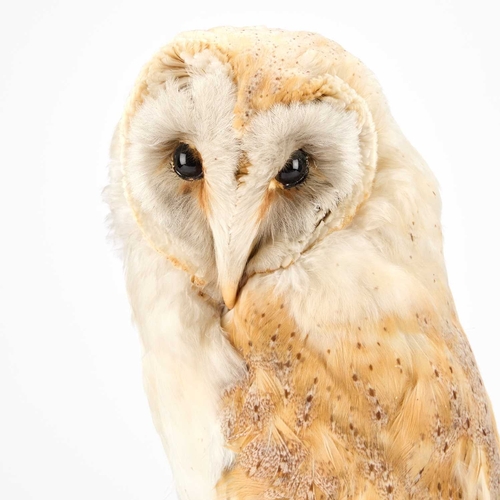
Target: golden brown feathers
(388, 410)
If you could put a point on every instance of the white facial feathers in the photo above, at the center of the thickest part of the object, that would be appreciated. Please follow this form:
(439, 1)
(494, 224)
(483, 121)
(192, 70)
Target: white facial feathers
(212, 225)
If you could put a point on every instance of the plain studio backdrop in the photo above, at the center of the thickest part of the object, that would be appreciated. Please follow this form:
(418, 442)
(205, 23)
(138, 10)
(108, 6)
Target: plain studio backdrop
(74, 421)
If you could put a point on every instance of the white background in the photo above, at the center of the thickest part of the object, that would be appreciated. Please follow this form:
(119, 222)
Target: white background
(74, 422)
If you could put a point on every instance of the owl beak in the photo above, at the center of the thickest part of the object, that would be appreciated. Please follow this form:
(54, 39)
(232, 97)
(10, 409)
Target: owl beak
(229, 293)
(231, 263)
(235, 232)
(230, 279)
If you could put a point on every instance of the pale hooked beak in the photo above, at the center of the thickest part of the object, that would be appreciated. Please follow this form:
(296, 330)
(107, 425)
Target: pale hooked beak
(231, 266)
(232, 254)
(229, 294)
(235, 225)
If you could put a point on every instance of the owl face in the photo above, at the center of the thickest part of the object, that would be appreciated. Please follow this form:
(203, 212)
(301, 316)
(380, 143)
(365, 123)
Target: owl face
(233, 172)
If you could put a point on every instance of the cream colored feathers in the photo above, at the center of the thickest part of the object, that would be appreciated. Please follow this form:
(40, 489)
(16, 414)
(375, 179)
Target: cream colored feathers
(338, 369)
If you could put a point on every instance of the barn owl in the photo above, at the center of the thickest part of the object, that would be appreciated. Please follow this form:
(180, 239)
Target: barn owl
(283, 258)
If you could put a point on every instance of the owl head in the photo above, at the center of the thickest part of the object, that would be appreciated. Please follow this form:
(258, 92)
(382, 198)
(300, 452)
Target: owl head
(240, 150)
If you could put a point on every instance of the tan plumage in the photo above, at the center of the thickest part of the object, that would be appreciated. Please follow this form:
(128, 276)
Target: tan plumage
(394, 412)
(340, 370)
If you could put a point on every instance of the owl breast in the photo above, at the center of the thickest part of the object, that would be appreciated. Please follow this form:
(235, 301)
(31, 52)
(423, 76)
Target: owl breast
(378, 411)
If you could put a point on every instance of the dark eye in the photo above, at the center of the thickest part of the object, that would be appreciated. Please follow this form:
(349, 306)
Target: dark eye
(295, 170)
(187, 163)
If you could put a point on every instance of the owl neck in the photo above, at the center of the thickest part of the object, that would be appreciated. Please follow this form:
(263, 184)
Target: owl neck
(388, 262)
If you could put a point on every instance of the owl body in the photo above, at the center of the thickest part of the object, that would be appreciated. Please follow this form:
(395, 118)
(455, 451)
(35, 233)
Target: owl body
(300, 340)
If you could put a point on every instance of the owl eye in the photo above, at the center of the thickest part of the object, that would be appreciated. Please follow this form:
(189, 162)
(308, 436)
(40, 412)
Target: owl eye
(187, 163)
(295, 170)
